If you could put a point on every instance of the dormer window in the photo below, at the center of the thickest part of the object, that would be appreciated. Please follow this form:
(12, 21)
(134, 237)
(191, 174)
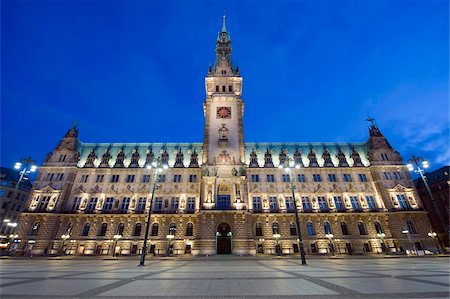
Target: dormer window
(224, 72)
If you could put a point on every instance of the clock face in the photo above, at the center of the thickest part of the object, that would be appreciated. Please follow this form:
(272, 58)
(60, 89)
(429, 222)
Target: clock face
(223, 112)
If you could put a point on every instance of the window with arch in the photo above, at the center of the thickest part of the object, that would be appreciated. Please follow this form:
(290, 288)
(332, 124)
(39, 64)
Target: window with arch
(172, 229)
(344, 228)
(120, 229)
(258, 229)
(275, 228)
(327, 227)
(155, 228)
(378, 227)
(34, 229)
(230, 88)
(68, 229)
(190, 229)
(310, 231)
(411, 227)
(362, 229)
(137, 230)
(293, 229)
(102, 230)
(85, 230)
(217, 88)
(223, 88)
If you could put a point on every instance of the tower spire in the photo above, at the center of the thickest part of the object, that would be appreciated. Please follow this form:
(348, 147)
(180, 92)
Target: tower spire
(223, 62)
(224, 27)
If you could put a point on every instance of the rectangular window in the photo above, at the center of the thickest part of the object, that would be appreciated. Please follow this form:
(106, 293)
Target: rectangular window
(174, 203)
(192, 178)
(191, 203)
(76, 203)
(158, 204)
(84, 178)
(59, 176)
(273, 203)
(256, 203)
(289, 203)
(270, 178)
(354, 202)
(322, 202)
(317, 178)
(331, 177)
(99, 178)
(286, 178)
(347, 177)
(306, 204)
(161, 178)
(146, 178)
(142, 201)
(43, 203)
(92, 204)
(402, 201)
(338, 203)
(255, 178)
(125, 204)
(108, 206)
(130, 178)
(114, 178)
(301, 178)
(371, 202)
(177, 178)
(362, 177)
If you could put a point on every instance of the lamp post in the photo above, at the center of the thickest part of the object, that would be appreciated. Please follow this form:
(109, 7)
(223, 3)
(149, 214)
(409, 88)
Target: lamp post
(297, 219)
(64, 237)
(116, 239)
(277, 249)
(158, 169)
(433, 235)
(29, 166)
(381, 236)
(330, 238)
(169, 238)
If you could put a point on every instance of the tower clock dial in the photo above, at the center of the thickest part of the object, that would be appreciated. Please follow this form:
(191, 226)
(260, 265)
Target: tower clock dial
(223, 112)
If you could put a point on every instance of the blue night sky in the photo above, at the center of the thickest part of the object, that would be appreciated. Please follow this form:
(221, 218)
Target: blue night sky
(133, 71)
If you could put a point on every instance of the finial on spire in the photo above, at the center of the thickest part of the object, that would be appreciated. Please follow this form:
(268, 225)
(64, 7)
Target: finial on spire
(75, 124)
(224, 28)
(372, 121)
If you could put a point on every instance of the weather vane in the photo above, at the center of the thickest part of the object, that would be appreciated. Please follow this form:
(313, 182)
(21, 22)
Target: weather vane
(372, 121)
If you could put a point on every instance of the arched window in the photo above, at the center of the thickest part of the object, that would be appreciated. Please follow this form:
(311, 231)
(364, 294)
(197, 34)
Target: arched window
(275, 228)
(120, 229)
(223, 88)
(327, 227)
(344, 228)
(85, 230)
(68, 229)
(310, 229)
(137, 230)
(230, 88)
(292, 229)
(217, 88)
(411, 227)
(172, 229)
(34, 229)
(378, 227)
(189, 229)
(362, 228)
(102, 230)
(154, 229)
(258, 228)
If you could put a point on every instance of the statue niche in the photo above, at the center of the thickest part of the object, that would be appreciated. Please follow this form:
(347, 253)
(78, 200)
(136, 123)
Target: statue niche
(223, 136)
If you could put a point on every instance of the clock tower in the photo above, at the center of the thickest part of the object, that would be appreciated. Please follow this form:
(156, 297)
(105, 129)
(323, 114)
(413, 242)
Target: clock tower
(223, 109)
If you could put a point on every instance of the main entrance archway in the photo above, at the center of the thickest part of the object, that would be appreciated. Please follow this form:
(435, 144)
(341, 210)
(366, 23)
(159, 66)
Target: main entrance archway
(223, 238)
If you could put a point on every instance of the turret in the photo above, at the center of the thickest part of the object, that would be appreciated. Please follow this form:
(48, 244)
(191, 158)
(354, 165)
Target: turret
(66, 152)
(380, 151)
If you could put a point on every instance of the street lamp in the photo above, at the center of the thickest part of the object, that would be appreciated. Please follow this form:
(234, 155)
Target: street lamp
(297, 219)
(418, 164)
(158, 169)
(29, 165)
(12, 238)
(169, 238)
(330, 238)
(277, 249)
(64, 237)
(382, 236)
(116, 239)
(433, 235)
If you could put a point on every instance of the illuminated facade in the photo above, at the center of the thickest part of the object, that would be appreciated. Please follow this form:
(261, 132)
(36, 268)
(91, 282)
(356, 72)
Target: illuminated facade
(223, 195)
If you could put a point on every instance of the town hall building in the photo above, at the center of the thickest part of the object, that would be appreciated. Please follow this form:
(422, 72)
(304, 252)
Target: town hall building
(223, 195)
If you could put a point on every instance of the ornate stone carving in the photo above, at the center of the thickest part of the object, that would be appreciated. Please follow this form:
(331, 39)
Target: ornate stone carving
(253, 159)
(268, 162)
(356, 158)
(223, 136)
(165, 157)
(149, 157)
(312, 158)
(179, 159)
(342, 159)
(223, 158)
(194, 159)
(134, 159)
(90, 159)
(327, 159)
(105, 159)
(298, 158)
(120, 159)
(283, 157)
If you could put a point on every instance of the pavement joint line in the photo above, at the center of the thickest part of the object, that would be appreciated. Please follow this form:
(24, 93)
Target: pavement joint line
(114, 285)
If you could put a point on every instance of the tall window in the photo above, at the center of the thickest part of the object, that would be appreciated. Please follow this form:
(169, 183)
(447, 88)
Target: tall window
(402, 201)
(411, 227)
(115, 178)
(108, 205)
(34, 229)
(137, 230)
(189, 229)
(154, 229)
(158, 204)
(273, 203)
(130, 178)
(327, 227)
(301, 178)
(84, 178)
(344, 229)
(172, 229)
(306, 204)
(331, 177)
(192, 178)
(85, 230)
(177, 178)
(255, 178)
(146, 178)
(270, 178)
(102, 230)
(161, 178)
(371, 202)
(293, 229)
(258, 228)
(362, 229)
(141, 204)
(347, 177)
(317, 178)
(120, 229)
(338, 203)
(275, 228)
(286, 178)
(191, 203)
(354, 202)
(125, 204)
(92, 204)
(174, 203)
(43, 203)
(100, 178)
(362, 177)
(322, 202)
(378, 227)
(257, 203)
(289, 203)
(76, 203)
(310, 231)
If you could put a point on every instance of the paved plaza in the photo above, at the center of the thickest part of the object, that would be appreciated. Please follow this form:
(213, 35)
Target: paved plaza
(230, 277)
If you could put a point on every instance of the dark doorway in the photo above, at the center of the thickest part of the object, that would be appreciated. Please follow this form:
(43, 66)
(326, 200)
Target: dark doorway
(224, 239)
(349, 248)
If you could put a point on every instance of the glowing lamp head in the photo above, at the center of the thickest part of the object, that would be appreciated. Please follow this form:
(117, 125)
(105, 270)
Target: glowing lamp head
(17, 165)
(425, 164)
(154, 164)
(280, 166)
(297, 166)
(148, 167)
(33, 168)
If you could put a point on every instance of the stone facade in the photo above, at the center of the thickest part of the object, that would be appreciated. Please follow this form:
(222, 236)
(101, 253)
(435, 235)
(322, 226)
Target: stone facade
(223, 195)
